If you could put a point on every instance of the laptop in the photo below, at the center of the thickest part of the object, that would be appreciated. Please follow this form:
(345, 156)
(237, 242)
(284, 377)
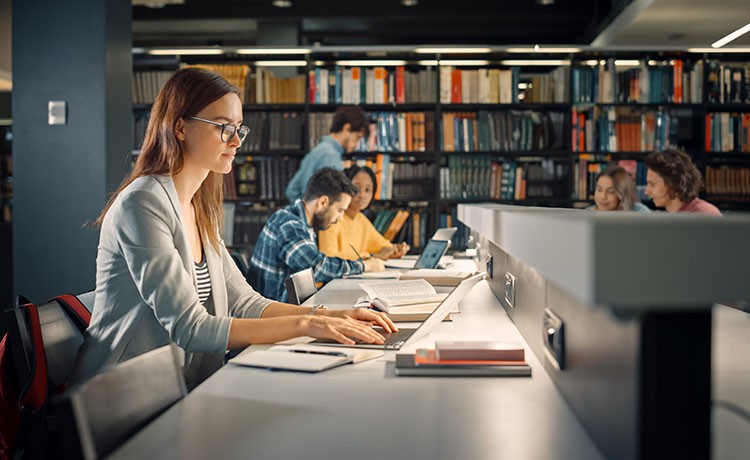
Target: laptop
(431, 256)
(404, 337)
(444, 233)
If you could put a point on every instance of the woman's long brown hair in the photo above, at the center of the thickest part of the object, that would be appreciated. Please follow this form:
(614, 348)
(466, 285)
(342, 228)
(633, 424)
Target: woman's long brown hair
(184, 95)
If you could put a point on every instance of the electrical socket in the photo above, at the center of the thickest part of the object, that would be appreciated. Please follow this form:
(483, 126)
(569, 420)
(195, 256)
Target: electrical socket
(510, 290)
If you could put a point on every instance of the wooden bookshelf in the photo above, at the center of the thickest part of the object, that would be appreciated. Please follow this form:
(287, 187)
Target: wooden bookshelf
(587, 92)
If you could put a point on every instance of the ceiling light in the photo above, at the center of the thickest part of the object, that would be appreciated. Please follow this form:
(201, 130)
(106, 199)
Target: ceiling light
(282, 3)
(718, 50)
(455, 62)
(410, 2)
(546, 49)
(627, 62)
(538, 62)
(185, 51)
(734, 35)
(365, 62)
(545, 2)
(273, 51)
(296, 63)
(453, 50)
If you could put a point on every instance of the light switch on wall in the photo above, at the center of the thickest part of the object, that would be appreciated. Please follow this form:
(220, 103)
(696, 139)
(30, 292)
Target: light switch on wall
(57, 113)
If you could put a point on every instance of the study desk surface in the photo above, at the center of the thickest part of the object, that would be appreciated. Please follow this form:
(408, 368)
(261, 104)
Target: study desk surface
(364, 411)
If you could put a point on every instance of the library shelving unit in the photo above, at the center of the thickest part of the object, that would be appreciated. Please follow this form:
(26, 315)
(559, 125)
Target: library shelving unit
(448, 129)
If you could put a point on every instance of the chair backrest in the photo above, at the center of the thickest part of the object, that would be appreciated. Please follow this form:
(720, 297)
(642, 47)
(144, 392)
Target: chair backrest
(42, 345)
(301, 286)
(103, 412)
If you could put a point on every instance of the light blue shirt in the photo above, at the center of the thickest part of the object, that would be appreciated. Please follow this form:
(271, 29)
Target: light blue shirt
(327, 154)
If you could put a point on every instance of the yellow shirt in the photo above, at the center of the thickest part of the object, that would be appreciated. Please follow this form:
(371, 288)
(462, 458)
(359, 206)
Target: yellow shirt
(359, 232)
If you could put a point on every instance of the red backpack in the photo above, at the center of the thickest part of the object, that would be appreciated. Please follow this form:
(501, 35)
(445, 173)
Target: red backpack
(25, 382)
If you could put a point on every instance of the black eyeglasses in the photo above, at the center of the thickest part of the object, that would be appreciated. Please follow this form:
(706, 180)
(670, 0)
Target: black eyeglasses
(228, 130)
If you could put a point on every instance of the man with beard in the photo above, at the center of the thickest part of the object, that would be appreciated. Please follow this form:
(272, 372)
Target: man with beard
(288, 242)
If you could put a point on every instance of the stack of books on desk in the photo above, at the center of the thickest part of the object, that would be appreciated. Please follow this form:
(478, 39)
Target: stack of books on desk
(465, 358)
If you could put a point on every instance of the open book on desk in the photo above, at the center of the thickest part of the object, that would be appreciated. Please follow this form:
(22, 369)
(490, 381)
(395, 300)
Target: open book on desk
(303, 357)
(411, 300)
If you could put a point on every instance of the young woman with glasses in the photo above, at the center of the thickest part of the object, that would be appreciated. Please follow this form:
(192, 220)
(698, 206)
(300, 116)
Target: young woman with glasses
(163, 273)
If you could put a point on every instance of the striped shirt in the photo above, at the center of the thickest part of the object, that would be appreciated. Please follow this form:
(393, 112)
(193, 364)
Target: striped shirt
(204, 280)
(286, 245)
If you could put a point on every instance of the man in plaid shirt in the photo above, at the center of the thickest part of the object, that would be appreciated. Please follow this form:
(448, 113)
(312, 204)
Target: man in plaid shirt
(288, 241)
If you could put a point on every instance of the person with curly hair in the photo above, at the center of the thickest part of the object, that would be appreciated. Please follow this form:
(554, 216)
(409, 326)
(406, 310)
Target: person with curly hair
(673, 183)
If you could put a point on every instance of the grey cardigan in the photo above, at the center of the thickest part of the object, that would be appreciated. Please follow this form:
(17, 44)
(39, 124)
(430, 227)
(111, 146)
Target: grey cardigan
(146, 289)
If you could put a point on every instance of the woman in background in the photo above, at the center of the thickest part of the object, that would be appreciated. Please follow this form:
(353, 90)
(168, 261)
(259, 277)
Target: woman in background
(673, 183)
(615, 191)
(354, 235)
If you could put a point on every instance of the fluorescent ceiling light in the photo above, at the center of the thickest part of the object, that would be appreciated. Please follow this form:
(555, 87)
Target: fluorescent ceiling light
(718, 50)
(455, 62)
(540, 62)
(454, 50)
(185, 51)
(296, 63)
(546, 49)
(734, 35)
(274, 51)
(366, 62)
(627, 62)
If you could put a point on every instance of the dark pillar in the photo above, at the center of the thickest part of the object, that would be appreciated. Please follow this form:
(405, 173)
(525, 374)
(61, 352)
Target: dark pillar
(77, 51)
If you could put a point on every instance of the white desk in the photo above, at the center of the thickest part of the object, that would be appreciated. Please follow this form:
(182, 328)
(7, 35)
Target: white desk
(364, 411)
(730, 363)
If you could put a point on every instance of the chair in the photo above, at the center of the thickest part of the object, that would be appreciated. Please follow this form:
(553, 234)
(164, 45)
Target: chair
(43, 343)
(103, 412)
(301, 286)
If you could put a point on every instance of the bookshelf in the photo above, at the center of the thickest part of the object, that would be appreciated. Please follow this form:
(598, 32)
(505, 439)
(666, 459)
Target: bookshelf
(493, 130)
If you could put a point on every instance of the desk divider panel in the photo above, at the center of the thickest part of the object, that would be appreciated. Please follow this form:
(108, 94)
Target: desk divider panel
(637, 378)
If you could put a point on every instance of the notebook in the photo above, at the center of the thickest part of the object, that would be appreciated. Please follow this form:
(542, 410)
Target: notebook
(302, 358)
(404, 337)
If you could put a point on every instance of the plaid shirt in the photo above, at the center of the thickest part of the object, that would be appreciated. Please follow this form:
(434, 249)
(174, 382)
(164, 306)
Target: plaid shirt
(287, 245)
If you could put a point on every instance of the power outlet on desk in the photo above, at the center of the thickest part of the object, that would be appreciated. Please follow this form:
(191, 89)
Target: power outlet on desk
(553, 337)
(510, 290)
(489, 266)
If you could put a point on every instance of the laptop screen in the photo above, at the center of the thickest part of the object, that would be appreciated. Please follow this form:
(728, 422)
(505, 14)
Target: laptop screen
(431, 254)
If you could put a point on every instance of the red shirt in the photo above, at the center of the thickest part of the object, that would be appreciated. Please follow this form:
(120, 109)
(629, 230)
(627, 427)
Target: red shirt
(699, 206)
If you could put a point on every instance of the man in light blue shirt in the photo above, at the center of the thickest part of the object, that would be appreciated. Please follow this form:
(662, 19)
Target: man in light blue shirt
(347, 128)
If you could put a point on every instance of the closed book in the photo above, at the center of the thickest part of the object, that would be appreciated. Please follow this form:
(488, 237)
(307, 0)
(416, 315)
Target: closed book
(479, 350)
(429, 357)
(405, 366)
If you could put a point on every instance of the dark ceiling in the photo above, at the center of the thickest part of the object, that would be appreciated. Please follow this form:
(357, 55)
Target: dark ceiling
(379, 22)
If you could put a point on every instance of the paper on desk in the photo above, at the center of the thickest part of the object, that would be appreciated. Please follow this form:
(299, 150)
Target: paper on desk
(388, 274)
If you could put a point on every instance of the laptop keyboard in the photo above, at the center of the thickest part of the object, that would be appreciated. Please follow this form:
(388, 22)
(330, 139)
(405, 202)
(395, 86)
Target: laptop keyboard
(391, 338)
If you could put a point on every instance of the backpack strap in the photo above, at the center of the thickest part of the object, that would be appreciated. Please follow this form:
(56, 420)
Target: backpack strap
(34, 394)
(74, 306)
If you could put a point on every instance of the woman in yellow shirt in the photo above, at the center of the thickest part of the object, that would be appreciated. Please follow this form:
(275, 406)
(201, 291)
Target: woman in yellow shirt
(354, 234)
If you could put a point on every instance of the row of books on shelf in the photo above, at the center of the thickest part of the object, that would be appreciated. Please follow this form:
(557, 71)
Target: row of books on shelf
(273, 131)
(461, 86)
(378, 85)
(264, 87)
(509, 130)
(260, 178)
(147, 83)
(399, 132)
(728, 132)
(243, 223)
(623, 129)
(399, 225)
(727, 82)
(645, 84)
(402, 179)
(483, 178)
(728, 183)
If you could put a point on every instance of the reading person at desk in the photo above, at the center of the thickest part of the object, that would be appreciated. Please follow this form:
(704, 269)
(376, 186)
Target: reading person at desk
(287, 244)
(354, 235)
(163, 274)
